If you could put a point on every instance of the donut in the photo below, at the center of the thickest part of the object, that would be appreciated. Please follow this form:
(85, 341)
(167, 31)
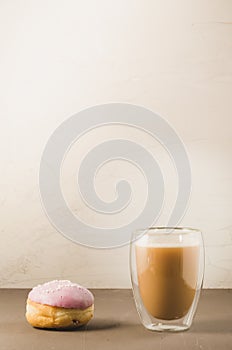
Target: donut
(59, 304)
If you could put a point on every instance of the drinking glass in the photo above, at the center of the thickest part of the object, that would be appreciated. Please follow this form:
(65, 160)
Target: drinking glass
(167, 268)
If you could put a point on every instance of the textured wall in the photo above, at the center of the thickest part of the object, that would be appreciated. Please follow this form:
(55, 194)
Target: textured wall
(58, 57)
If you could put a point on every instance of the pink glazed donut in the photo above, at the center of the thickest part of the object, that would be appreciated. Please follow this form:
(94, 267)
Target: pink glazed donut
(59, 304)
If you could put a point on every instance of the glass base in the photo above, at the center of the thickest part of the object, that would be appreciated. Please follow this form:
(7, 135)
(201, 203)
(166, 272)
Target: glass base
(161, 327)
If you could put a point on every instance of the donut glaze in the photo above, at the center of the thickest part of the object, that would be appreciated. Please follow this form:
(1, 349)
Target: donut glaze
(62, 294)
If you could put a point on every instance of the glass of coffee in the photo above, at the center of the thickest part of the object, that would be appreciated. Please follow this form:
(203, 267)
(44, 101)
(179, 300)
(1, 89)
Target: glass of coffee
(167, 268)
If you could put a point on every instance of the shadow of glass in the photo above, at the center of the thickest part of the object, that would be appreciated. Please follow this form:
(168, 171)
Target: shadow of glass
(212, 326)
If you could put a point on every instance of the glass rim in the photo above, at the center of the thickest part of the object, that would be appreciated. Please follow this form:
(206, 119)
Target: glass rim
(170, 230)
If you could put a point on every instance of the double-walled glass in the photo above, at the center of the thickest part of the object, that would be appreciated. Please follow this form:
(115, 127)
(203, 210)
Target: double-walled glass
(167, 268)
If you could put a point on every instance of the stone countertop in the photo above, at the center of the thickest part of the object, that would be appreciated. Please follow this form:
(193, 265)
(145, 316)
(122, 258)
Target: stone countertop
(116, 325)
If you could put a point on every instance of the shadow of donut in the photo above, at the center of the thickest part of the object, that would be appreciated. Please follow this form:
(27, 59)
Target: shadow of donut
(101, 324)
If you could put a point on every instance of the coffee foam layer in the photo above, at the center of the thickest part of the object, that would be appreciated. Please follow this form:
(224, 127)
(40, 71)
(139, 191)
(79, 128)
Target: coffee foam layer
(166, 242)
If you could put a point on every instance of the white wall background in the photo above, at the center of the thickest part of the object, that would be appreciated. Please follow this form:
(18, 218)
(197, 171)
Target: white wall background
(58, 57)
